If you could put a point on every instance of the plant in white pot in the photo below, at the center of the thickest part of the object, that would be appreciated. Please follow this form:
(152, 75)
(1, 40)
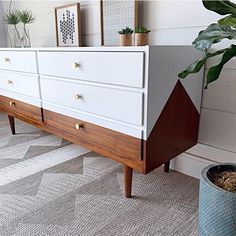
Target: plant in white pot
(217, 197)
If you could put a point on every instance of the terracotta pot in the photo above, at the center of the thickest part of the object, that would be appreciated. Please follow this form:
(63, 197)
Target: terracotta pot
(141, 39)
(125, 39)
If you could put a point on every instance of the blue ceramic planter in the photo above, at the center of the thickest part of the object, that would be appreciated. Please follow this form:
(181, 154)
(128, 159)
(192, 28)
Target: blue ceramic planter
(217, 207)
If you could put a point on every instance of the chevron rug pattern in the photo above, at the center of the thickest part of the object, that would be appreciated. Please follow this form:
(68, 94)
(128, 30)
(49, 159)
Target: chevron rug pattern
(49, 186)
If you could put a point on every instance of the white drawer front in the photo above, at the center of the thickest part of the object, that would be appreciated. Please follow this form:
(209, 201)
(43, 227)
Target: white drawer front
(18, 61)
(20, 83)
(119, 68)
(120, 105)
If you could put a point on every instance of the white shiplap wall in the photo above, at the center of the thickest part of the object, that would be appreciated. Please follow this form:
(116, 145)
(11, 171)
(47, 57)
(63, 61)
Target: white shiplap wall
(3, 38)
(171, 23)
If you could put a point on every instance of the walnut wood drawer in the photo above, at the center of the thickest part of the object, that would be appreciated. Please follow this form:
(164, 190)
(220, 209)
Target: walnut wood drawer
(121, 105)
(104, 141)
(25, 84)
(21, 110)
(24, 61)
(118, 68)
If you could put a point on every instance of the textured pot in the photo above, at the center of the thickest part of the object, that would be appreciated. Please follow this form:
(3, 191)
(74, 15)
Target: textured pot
(141, 39)
(125, 39)
(217, 207)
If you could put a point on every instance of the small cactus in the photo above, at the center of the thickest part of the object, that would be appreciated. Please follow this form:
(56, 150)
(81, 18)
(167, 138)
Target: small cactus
(126, 30)
(141, 29)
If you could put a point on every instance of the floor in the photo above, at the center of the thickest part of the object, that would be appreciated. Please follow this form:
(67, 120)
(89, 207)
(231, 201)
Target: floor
(49, 186)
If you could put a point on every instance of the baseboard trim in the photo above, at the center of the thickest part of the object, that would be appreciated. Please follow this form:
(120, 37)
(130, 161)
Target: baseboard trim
(195, 159)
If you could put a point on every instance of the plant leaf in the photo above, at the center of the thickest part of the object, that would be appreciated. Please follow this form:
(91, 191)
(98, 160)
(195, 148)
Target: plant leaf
(221, 7)
(198, 64)
(214, 33)
(228, 20)
(214, 72)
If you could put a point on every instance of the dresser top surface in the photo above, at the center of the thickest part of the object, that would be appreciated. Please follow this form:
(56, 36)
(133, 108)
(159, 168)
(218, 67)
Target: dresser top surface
(90, 49)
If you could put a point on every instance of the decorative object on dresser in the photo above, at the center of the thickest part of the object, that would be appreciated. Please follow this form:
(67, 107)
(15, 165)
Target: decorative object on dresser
(67, 20)
(141, 36)
(125, 37)
(13, 18)
(114, 16)
(141, 118)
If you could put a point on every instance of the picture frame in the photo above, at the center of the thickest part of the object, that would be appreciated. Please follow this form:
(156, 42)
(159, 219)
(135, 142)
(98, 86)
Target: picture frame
(116, 15)
(68, 26)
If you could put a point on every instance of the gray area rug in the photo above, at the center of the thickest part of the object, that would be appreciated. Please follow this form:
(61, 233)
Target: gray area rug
(49, 186)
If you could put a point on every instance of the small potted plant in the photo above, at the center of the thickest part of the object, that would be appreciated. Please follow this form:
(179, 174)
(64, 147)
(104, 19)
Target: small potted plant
(125, 37)
(141, 36)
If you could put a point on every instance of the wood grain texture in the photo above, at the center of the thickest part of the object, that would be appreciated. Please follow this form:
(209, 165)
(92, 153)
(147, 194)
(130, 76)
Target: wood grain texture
(112, 144)
(12, 124)
(23, 111)
(128, 175)
(175, 131)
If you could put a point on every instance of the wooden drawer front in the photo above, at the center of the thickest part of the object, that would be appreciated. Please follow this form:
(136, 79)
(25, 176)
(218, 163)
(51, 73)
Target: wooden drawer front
(119, 68)
(18, 61)
(15, 107)
(98, 139)
(24, 84)
(120, 105)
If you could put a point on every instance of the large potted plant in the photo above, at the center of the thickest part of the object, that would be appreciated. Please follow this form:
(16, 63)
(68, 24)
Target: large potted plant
(217, 197)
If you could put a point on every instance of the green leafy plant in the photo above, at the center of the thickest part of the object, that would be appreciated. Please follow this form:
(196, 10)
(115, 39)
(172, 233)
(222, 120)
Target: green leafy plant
(225, 28)
(26, 17)
(126, 30)
(11, 18)
(141, 29)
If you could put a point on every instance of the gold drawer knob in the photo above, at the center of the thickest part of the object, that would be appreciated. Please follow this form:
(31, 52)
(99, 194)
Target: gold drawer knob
(10, 82)
(77, 97)
(75, 65)
(12, 104)
(7, 60)
(78, 126)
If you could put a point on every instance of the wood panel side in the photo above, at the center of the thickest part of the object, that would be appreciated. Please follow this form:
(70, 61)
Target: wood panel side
(175, 131)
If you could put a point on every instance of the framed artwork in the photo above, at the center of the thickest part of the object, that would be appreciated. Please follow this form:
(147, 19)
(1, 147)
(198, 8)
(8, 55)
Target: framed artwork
(67, 20)
(116, 15)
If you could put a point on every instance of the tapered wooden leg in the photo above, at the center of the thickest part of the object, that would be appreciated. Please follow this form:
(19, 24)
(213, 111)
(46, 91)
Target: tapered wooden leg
(167, 167)
(12, 124)
(128, 172)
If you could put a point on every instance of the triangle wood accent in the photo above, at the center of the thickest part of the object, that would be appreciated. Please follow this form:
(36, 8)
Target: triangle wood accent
(175, 131)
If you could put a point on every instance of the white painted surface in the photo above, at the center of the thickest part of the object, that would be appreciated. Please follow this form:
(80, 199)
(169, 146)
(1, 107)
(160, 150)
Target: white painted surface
(24, 84)
(120, 68)
(21, 97)
(111, 103)
(172, 23)
(165, 64)
(122, 127)
(24, 61)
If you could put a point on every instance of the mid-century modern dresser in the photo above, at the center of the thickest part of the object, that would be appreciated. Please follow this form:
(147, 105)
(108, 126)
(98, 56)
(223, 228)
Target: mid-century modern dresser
(125, 103)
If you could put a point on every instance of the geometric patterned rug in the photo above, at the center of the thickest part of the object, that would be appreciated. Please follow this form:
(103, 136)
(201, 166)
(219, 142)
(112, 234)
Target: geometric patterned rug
(49, 186)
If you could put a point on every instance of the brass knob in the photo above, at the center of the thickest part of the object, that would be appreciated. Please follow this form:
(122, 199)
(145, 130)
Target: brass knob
(77, 97)
(12, 104)
(6, 59)
(9, 82)
(78, 126)
(75, 65)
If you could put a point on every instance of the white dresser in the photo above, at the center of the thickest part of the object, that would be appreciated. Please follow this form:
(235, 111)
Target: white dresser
(125, 103)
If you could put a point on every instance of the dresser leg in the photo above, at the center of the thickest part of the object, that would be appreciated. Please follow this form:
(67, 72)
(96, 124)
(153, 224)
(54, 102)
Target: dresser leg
(128, 172)
(167, 167)
(12, 124)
